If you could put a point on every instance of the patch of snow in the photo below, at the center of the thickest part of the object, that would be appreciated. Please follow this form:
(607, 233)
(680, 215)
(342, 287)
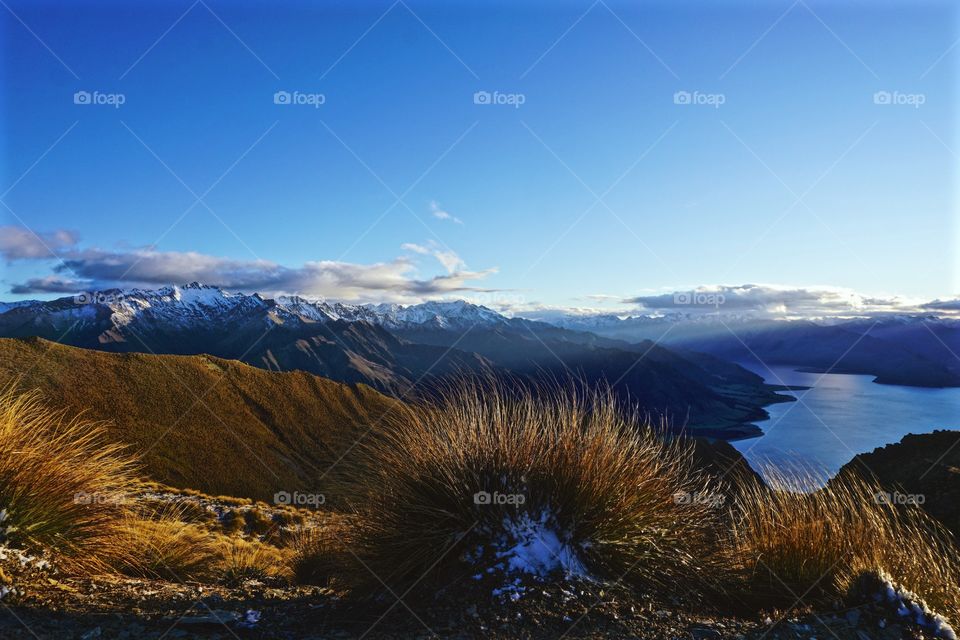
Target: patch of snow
(537, 548)
(909, 605)
(527, 545)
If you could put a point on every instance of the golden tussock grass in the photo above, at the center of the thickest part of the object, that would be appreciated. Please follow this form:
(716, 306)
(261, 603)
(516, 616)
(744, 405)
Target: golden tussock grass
(165, 544)
(631, 503)
(628, 502)
(322, 554)
(169, 549)
(786, 544)
(240, 559)
(62, 484)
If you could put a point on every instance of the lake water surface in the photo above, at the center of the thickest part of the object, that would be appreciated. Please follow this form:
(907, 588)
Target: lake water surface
(841, 416)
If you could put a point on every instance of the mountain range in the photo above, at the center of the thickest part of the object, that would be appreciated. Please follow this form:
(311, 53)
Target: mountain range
(401, 349)
(922, 351)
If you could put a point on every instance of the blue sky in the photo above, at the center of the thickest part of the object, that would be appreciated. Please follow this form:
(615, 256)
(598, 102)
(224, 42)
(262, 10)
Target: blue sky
(599, 187)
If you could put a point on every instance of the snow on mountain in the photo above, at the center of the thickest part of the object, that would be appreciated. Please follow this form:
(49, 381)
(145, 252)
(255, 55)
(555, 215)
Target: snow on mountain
(442, 315)
(181, 307)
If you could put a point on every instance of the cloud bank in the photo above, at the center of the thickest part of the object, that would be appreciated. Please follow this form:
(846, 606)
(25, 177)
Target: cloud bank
(779, 301)
(760, 301)
(79, 269)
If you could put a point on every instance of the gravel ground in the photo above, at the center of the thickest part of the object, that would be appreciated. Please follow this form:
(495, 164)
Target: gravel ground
(150, 609)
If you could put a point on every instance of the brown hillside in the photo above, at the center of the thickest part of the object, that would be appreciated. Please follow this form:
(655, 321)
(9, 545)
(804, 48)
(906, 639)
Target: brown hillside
(201, 422)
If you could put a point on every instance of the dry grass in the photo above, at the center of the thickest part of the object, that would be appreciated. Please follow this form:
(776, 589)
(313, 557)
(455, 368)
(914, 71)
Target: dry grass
(62, 485)
(249, 421)
(787, 544)
(629, 504)
(241, 560)
(168, 544)
(608, 483)
(321, 554)
(168, 548)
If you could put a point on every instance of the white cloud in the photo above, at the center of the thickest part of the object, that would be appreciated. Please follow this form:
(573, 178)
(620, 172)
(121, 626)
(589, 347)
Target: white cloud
(19, 243)
(441, 214)
(761, 301)
(452, 262)
(780, 301)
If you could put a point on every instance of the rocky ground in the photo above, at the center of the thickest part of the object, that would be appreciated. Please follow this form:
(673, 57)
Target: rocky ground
(111, 607)
(38, 603)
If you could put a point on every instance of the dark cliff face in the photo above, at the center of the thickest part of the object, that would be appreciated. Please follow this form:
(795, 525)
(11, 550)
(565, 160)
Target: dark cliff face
(924, 468)
(724, 464)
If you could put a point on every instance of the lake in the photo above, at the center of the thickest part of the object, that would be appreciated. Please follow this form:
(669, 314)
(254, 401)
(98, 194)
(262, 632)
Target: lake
(842, 415)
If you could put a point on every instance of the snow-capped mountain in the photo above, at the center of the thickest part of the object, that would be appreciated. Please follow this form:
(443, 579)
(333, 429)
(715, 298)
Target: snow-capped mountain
(195, 304)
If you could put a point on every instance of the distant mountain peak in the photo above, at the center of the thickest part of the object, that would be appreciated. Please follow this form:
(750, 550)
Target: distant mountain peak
(192, 303)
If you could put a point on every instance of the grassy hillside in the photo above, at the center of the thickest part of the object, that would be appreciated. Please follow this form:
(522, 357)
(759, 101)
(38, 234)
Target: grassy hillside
(215, 425)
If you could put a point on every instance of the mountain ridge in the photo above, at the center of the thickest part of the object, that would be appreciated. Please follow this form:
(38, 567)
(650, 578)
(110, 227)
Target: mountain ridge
(399, 349)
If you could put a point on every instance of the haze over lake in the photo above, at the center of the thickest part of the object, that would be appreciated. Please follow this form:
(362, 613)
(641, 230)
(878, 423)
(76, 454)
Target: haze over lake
(842, 415)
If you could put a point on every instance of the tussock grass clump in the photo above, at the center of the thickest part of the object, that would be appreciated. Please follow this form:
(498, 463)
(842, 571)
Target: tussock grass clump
(168, 548)
(788, 543)
(531, 483)
(321, 554)
(166, 543)
(62, 484)
(241, 560)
